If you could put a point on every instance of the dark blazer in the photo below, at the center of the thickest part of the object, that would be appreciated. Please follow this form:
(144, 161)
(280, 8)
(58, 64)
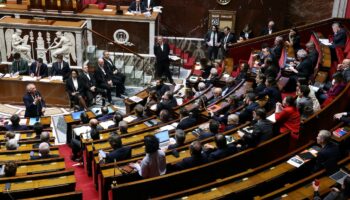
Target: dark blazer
(186, 123)
(88, 82)
(132, 7)
(70, 86)
(43, 72)
(263, 129)
(250, 35)
(105, 117)
(152, 3)
(162, 55)
(100, 77)
(95, 132)
(247, 112)
(274, 95)
(305, 69)
(265, 31)
(20, 66)
(229, 127)
(313, 56)
(33, 110)
(191, 162)
(43, 157)
(203, 136)
(16, 128)
(230, 40)
(108, 64)
(63, 71)
(222, 153)
(327, 157)
(259, 88)
(122, 153)
(339, 39)
(277, 51)
(219, 36)
(161, 90)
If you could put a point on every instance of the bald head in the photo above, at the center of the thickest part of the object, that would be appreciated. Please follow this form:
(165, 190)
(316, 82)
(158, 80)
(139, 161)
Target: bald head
(31, 88)
(217, 92)
(100, 62)
(44, 148)
(93, 122)
(45, 136)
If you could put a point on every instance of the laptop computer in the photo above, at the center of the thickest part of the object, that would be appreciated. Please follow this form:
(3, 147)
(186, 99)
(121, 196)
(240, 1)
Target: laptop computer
(76, 115)
(339, 176)
(163, 138)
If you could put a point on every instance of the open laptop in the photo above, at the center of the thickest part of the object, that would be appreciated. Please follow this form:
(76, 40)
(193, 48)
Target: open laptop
(76, 115)
(163, 138)
(339, 176)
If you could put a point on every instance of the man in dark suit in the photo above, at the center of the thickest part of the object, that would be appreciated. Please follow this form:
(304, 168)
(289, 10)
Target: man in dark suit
(103, 78)
(213, 41)
(118, 78)
(44, 150)
(328, 156)
(304, 69)
(44, 137)
(15, 126)
(34, 102)
(196, 159)
(186, 119)
(60, 68)
(38, 69)
(312, 53)
(161, 51)
(137, 6)
(149, 4)
(161, 88)
(339, 37)
(105, 115)
(90, 84)
(213, 130)
(247, 113)
(277, 47)
(227, 40)
(262, 127)
(180, 138)
(222, 150)
(19, 65)
(269, 29)
(230, 85)
(119, 152)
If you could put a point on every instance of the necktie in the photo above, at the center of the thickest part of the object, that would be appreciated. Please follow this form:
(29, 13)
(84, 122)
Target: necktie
(37, 70)
(59, 66)
(138, 8)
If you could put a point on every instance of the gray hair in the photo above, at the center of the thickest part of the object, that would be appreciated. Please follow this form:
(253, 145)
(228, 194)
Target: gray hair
(325, 135)
(214, 71)
(45, 136)
(123, 124)
(302, 53)
(11, 144)
(201, 86)
(233, 118)
(44, 148)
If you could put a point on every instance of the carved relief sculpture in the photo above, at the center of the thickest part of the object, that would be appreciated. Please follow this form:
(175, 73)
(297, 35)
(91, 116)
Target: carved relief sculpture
(15, 43)
(64, 43)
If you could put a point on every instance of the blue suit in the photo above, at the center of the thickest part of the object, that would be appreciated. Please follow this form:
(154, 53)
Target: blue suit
(122, 153)
(33, 110)
(191, 162)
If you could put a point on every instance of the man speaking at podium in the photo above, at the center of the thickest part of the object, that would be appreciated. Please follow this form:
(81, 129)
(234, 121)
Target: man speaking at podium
(34, 102)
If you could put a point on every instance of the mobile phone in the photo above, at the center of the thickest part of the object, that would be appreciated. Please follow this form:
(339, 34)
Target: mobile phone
(317, 182)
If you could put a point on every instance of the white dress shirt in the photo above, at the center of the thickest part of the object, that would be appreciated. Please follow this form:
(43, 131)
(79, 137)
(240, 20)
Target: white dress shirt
(152, 165)
(75, 83)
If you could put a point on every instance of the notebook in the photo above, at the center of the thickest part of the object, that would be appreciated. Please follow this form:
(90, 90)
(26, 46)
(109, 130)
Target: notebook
(163, 138)
(339, 176)
(76, 115)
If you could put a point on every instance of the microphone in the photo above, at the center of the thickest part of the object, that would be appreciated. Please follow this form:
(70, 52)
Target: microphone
(114, 182)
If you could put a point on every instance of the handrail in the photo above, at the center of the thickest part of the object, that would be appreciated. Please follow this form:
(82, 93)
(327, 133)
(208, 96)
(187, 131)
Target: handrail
(112, 41)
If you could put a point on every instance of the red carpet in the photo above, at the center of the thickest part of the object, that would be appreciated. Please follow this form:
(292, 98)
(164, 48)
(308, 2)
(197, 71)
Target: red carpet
(84, 183)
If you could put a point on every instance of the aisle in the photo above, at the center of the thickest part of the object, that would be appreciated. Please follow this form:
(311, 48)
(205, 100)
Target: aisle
(84, 183)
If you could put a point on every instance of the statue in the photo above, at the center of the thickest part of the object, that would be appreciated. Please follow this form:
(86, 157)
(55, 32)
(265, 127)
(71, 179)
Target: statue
(18, 44)
(63, 44)
(40, 50)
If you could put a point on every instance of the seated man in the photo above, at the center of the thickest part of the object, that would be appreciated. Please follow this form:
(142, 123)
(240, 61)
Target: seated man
(180, 138)
(232, 122)
(11, 144)
(44, 137)
(161, 88)
(164, 116)
(212, 78)
(186, 119)
(60, 68)
(39, 69)
(10, 169)
(217, 95)
(123, 127)
(213, 130)
(262, 127)
(339, 37)
(230, 85)
(9, 135)
(303, 68)
(90, 82)
(329, 154)
(168, 102)
(38, 128)
(222, 150)
(117, 77)
(104, 114)
(15, 126)
(19, 65)
(247, 113)
(44, 152)
(201, 88)
(139, 113)
(344, 68)
(196, 159)
(117, 117)
(119, 152)
(137, 6)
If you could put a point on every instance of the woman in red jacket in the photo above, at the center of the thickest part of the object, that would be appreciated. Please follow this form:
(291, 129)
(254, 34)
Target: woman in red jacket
(288, 117)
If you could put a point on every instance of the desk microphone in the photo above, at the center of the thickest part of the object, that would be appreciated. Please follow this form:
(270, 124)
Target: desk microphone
(114, 182)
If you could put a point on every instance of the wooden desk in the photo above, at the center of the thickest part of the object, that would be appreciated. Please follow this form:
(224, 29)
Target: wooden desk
(12, 91)
(129, 104)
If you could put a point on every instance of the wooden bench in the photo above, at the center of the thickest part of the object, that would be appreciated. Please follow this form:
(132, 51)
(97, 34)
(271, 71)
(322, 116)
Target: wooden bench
(76, 195)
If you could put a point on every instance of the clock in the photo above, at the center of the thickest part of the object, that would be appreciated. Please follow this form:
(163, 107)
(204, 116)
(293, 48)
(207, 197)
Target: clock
(223, 2)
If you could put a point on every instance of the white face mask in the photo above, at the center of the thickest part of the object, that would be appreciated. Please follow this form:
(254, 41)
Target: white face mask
(333, 82)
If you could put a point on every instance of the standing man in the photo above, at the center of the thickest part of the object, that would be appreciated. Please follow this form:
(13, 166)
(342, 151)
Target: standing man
(118, 78)
(213, 40)
(161, 51)
(227, 40)
(34, 102)
(60, 68)
(38, 69)
(19, 65)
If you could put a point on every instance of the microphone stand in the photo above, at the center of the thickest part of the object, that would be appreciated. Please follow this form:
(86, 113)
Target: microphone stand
(114, 182)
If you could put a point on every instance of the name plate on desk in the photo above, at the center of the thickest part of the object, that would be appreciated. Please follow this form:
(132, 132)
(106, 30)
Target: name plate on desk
(41, 21)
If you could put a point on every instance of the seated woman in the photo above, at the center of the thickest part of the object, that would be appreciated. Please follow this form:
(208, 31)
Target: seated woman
(288, 117)
(338, 85)
(76, 89)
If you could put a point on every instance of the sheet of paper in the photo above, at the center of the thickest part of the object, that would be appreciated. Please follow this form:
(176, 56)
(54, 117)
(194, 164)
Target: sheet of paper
(82, 129)
(167, 127)
(28, 78)
(325, 42)
(295, 161)
(272, 118)
(135, 99)
(129, 118)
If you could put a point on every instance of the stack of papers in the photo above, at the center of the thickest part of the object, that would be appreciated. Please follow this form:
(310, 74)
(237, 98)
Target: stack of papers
(295, 161)
(56, 78)
(28, 78)
(130, 118)
(46, 80)
(81, 130)
(106, 124)
(174, 58)
(135, 99)
(325, 42)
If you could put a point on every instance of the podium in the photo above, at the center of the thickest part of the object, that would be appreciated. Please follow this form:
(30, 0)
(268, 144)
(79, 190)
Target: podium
(70, 6)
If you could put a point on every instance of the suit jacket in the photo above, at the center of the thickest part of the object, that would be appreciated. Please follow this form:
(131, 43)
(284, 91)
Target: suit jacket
(63, 71)
(162, 56)
(192, 162)
(70, 86)
(20, 66)
(105, 117)
(108, 64)
(231, 38)
(100, 77)
(305, 69)
(339, 39)
(313, 56)
(16, 128)
(161, 90)
(221, 153)
(33, 110)
(259, 88)
(88, 82)
(95, 132)
(186, 123)
(43, 72)
(277, 51)
(247, 112)
(122, 153)
(203, 136)
(265, 31)
(152, 3)
(43, 157)
(219, 36)
(229, 127)
(243, 35)
(132, 7)
(274, 96)
(263, 129)
(327, 157)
